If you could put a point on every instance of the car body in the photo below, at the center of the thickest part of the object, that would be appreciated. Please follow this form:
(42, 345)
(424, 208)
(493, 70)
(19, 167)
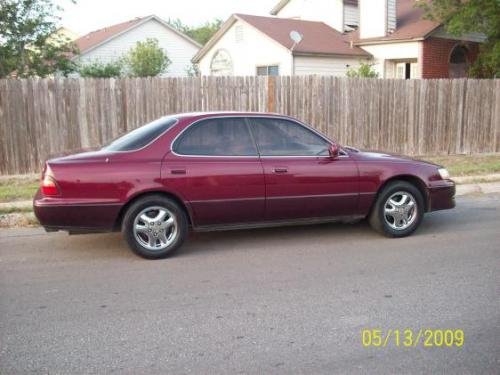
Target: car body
(223, 180)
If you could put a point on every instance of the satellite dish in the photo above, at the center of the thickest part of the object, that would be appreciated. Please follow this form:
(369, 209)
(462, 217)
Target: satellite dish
(295, 36)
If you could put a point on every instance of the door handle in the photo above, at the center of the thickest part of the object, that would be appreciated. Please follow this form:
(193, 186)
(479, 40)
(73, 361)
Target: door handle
(178, 171)
(280, 170)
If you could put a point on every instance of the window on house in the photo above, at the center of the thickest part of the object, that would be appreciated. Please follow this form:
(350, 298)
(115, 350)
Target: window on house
(459, 62)
(270, 70)
(221, 64)
(238, 33)
(406, 70)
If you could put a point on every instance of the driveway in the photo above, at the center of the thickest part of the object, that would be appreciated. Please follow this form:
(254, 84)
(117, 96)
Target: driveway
(286, 300)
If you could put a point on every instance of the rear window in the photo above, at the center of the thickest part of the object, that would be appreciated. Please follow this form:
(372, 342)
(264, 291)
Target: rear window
(142, 136)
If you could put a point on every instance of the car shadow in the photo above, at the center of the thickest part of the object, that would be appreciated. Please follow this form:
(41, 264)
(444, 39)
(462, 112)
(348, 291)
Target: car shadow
(112, 245)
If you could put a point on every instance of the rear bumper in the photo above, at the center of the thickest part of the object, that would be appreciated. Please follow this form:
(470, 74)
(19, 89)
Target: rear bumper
(441, 195)
(57, 214)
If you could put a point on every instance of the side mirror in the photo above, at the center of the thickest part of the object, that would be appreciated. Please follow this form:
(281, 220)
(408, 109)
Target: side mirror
(334, 150)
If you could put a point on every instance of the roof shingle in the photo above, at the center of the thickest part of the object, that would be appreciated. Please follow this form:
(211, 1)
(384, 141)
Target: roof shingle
(318, 37)
(96, 37)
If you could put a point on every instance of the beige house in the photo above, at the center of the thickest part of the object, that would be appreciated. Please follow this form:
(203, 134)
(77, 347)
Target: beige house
(254, 45)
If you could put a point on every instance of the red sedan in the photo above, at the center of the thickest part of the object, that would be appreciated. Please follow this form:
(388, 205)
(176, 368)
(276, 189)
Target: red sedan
(212, 171)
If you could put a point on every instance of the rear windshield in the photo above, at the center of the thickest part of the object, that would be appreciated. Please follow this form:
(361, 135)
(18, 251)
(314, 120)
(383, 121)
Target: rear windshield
(142, 136)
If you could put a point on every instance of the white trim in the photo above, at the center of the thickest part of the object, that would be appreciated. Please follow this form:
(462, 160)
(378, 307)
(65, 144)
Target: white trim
(278, 7)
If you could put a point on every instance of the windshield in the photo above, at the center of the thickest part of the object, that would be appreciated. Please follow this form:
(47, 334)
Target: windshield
(142, 136)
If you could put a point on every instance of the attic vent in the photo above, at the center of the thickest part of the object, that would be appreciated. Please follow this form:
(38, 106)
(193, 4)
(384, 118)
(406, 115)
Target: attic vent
(238, 33)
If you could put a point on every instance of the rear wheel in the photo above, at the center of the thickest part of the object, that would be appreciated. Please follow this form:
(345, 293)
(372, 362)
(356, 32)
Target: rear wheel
(398, 210)
(154, 227)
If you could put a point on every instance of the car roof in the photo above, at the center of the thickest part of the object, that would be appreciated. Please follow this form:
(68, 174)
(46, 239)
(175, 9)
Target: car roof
(199, 115)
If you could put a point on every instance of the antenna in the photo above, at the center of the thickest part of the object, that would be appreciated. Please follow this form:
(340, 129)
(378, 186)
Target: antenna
(296, 37)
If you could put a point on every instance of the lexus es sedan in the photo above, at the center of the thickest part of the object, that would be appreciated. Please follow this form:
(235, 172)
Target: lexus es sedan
(213, 171)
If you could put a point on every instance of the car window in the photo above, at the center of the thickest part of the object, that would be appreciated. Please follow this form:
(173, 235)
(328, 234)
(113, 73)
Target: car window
(217, 137)
(279, 137)
(142, 136)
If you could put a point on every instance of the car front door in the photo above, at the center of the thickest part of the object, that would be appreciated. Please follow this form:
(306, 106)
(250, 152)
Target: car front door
(302, 180)
(215, 164)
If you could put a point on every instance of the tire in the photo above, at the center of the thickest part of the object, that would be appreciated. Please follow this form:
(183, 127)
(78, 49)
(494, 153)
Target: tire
(155, 226)
(391, 223)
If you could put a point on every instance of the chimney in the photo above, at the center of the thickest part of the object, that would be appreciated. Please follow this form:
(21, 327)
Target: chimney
(377, 18)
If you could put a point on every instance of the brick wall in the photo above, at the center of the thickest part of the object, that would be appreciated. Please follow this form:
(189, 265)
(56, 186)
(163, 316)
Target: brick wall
(436, 56)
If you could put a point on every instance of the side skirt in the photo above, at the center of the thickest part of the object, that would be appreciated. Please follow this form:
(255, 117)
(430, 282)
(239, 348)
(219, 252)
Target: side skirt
(278, 223)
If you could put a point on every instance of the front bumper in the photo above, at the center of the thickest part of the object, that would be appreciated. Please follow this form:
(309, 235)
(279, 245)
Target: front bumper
(441, 195)
(75, 216)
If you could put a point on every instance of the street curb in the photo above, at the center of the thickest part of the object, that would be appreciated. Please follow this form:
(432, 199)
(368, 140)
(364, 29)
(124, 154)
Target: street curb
(467, 180)
(482, 188)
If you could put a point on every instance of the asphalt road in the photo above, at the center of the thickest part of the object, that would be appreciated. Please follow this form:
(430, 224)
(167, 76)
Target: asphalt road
(287, 300)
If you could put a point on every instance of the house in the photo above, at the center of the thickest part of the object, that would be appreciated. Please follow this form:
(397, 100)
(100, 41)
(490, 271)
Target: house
(255, 45)
(405, 45)
(62, 35)
(337, 35)
(112, 42)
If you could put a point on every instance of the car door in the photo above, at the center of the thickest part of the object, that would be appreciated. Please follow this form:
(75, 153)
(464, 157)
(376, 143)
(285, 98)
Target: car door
(215, 164)
(302, 180)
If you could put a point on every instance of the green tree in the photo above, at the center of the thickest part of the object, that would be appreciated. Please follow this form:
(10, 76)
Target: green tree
(201, 33)
(193, 70)
(146, 59)
(365, 70)
(464, 16)
(29, 43)
(98, 69)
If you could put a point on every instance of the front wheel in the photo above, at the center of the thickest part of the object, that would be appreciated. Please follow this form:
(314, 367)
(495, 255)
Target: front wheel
(154, 227)
(398, 210)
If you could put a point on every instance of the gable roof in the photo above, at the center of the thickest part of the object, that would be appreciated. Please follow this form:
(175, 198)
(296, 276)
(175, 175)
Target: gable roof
(318, 37)
(101, 36)
(410, 24)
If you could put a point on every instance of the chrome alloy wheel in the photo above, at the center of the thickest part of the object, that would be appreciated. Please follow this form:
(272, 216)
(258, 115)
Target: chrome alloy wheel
(155, 228)
(400, 210)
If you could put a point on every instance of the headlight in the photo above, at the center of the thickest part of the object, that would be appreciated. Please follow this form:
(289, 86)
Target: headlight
(443, 172)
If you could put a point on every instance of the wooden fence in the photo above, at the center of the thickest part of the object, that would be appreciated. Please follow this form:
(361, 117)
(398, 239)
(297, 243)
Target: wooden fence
(43, 117)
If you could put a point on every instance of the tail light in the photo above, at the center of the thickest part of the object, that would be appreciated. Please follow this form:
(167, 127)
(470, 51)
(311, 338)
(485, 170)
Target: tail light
(48, 185)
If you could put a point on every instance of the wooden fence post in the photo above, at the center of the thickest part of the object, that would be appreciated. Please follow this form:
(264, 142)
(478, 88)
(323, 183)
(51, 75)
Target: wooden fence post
(271, 94)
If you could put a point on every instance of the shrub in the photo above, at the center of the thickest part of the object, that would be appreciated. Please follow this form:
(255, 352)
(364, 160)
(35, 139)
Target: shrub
(147, 59)
(98, 69)
(364, 70)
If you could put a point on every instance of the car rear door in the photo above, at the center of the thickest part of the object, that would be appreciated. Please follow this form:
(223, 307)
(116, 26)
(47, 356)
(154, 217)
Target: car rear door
(215, 164)
(302, 180)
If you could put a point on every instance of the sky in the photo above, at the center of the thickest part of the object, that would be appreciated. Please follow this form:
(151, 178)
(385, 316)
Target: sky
(89, 15)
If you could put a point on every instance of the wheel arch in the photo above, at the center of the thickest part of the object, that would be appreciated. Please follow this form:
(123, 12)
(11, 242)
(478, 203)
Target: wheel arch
(119, 219)
(412, 179)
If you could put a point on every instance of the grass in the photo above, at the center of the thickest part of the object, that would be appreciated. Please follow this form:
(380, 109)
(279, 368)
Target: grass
(468, 165)
(14, 209)
(18, 188)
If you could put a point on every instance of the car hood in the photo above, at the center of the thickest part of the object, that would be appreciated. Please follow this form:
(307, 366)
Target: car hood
(386, 157)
